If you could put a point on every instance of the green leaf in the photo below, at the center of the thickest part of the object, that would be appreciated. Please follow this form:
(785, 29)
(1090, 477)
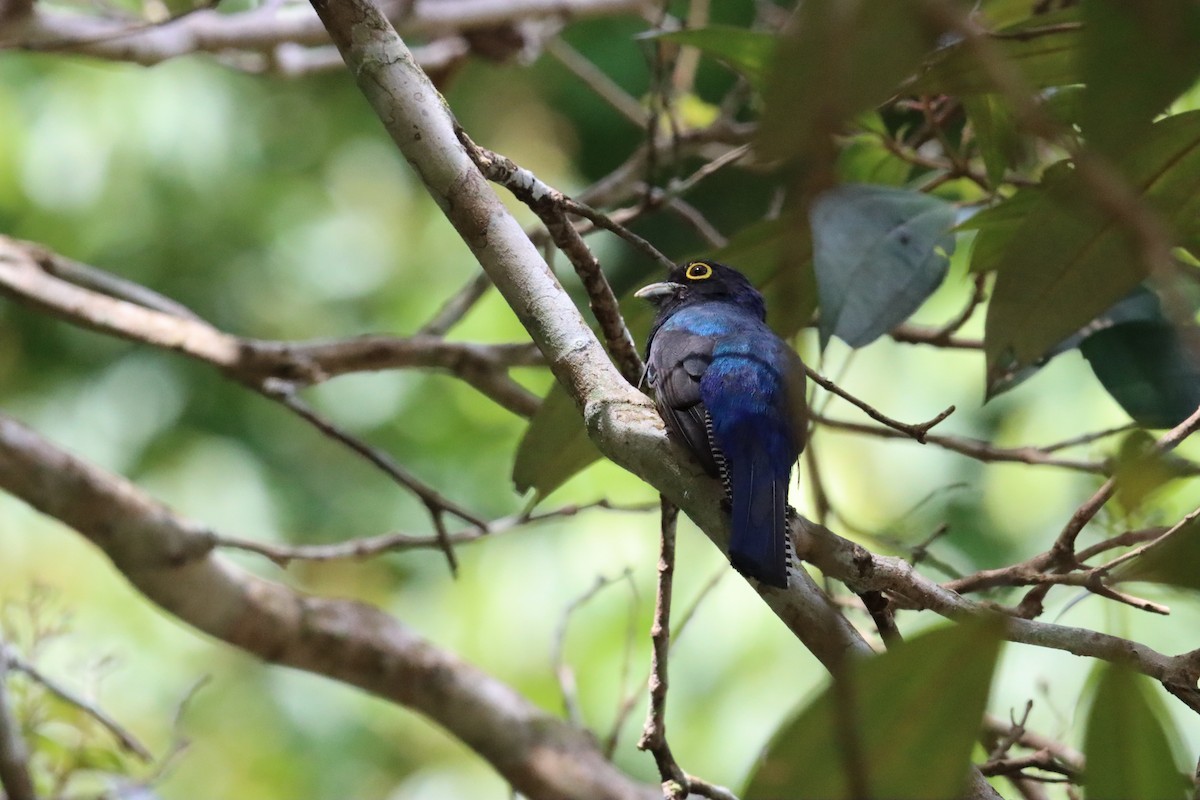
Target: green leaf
(996, 227)
(1044, 49)
(1172, 563)
(996, 130)
(1068, 260)
(878, 253)
(745, 51)
(1140, 470)
(841, 57)
(1129, 742)
(555, 446)
(914, 713)
(1136, 58)
(864, 159)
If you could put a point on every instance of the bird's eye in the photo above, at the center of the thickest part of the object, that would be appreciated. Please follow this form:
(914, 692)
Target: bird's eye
(698, 271)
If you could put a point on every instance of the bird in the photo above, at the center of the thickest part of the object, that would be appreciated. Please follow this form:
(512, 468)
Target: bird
(732, 392)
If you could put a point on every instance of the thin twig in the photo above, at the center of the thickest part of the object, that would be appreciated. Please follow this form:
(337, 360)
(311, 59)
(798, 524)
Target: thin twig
(370, 546)
(435, 503)
(550, 205)
(596, 80)
(1063, 550)
(562, 670)
(15, 778)
(124, 737)
(974, 448)
(681, 623)
(654, 732)
(918, 432)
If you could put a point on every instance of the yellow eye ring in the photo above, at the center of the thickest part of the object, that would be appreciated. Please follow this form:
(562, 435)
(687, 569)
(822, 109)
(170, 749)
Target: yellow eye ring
(698, 271)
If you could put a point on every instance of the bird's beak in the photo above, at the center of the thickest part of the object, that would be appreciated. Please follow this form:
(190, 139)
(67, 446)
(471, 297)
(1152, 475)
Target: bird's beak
(656, 290)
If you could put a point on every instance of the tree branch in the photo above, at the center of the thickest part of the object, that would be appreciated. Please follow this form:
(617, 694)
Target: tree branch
(263, 29)
(170, 560)
(15, 779)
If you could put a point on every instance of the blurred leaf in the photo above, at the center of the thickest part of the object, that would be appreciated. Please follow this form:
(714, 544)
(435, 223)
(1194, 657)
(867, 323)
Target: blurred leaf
(1172, 563)
(864, 159)
(1068, 260)
(1003, 13)
(995, 128)
(1140, 305)
(878, 253)
(840, 57)
(745, 51)
(914, 711)
(1044, 48)
(555, 446)
(1129, 742)
(996, 226)
(787, 285)
(1151, 367)
(1136, 58)
(1139, 470)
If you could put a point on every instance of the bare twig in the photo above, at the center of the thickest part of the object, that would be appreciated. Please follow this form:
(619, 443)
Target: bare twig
(918, 432)
(681, 623)
(974, 448)
(596, 80)
(124, 737)
(1062, 553)
(370, 546)
(654, 733)
(562, 670)
(15, 779)
(550, 204)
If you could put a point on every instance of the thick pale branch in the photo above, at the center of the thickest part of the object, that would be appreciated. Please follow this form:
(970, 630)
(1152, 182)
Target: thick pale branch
(170, 560)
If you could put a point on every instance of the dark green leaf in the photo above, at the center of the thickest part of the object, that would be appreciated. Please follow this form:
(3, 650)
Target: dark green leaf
(1068, 260)
(748, 52)
(878, 253)
(914, 713)
(1129, 744)
(1151, 368)
(1135, 59)
(1045, 49)
(841, 57)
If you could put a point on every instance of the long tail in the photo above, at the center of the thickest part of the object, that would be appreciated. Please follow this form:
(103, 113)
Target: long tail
(758, 543)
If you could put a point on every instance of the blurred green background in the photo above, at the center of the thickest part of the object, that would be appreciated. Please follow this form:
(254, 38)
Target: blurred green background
(279, 209)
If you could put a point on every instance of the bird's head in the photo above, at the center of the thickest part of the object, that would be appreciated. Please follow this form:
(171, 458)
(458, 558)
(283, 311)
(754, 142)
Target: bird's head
(703, 281)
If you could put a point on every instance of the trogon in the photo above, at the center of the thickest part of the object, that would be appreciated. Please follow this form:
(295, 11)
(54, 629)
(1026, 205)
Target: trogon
(733, 393)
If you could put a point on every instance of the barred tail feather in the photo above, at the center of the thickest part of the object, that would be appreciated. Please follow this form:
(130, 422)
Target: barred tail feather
(758, 545)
